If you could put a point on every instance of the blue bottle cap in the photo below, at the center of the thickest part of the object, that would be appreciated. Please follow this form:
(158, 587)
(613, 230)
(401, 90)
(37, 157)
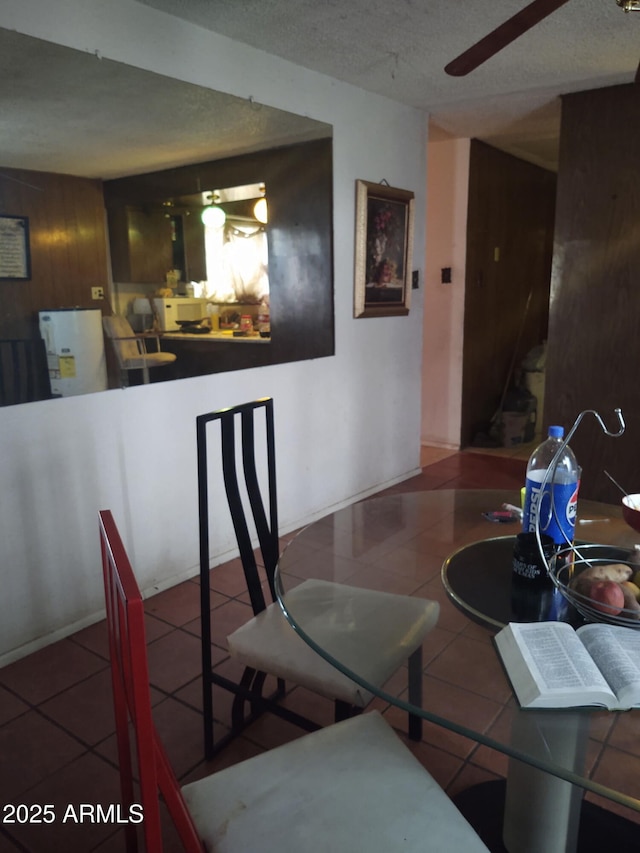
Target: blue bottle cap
(556, 432)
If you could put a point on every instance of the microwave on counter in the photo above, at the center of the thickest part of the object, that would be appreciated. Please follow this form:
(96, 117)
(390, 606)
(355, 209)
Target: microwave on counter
(170, 311)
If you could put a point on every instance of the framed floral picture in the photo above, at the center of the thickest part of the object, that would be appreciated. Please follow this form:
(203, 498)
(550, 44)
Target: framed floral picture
(383, 252)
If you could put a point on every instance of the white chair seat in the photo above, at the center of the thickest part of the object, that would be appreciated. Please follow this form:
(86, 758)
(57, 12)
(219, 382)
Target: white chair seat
(372, 633)
(351, 786)
(150, 359)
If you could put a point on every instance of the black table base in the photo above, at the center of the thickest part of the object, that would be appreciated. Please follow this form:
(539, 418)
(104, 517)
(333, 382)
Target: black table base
(483, 806)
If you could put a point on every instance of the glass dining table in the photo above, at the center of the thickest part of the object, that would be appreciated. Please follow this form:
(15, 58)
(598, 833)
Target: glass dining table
(439, 545)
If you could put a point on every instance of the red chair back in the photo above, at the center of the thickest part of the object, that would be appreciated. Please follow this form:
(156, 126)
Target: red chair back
(132, 706)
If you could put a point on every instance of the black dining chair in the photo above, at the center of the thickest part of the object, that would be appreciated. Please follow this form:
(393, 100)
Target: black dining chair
(385, 630)
(24, 374)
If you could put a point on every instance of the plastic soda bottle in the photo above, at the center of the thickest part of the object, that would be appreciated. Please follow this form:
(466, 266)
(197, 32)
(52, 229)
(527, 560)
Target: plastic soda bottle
(555, 510)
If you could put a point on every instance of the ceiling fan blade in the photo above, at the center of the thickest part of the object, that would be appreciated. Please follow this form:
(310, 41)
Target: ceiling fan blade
(502, 36)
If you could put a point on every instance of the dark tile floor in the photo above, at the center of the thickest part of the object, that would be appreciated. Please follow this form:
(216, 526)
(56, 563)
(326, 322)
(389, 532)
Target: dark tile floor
(57, 744)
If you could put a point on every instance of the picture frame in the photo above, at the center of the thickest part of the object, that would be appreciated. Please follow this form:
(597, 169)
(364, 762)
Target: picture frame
(383, 250)
(15, 252)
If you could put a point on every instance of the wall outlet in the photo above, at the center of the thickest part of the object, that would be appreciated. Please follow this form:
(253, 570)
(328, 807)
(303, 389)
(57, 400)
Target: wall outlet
(97, 292)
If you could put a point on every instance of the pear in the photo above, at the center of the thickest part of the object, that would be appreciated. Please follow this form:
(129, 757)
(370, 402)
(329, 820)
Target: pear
(631, 603)
(632, 587)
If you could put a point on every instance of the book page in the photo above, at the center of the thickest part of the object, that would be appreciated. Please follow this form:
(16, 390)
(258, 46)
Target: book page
(557, 658)
(550, 668)
(616, 650)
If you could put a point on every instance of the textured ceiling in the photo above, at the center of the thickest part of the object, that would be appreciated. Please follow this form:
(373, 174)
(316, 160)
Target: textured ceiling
(48, 94)
(399, 49)
(48, 98)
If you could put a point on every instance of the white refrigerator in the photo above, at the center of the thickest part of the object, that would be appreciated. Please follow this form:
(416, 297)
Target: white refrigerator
(74, 342)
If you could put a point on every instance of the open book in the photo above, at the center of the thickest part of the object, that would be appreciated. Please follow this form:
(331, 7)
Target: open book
(553, 666)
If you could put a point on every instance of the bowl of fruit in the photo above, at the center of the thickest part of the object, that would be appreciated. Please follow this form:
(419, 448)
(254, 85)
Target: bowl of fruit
(601, 582)
(631, 511)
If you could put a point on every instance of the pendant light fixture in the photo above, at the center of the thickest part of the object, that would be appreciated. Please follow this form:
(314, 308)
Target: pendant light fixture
(213, 216)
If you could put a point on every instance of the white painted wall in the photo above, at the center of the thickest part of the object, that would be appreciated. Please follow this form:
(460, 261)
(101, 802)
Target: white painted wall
(444, 303)
(346, 425)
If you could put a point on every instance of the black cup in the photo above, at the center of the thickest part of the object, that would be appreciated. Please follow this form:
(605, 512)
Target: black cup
(530, 562)
(534, 598)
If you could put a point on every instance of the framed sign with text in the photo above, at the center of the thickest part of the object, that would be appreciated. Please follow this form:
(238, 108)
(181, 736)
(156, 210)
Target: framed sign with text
(15, 257)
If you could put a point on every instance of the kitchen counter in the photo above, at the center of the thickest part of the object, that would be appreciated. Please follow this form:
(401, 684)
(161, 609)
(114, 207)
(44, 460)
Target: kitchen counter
(218, 337)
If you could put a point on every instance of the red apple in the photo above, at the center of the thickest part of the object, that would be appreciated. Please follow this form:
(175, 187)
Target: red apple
(607, 597)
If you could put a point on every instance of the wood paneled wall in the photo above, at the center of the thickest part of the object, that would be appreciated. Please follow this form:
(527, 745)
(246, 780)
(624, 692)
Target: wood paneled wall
(68, 246)
(594, 340)
(509, 248)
